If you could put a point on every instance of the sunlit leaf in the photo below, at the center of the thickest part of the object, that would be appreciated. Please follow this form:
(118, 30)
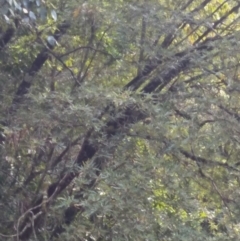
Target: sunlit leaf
(54, 15)
(32, 15)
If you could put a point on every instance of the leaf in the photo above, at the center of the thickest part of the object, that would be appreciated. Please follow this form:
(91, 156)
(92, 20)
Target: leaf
(54, 15)
(51, 40)
(11, 11)
(38, 2)
(32, 15)
(10, 2)
(6, 18)
(25, 10)
(17, 5)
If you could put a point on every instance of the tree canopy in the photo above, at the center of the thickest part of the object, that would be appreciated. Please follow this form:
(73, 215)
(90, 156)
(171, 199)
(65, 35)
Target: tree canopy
(119, 120)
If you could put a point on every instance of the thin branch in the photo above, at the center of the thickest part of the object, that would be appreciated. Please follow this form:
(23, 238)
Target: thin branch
(93, 56)
(218, 22)
(142, 42)
(85, 47)
(207, 162)
(64, 65)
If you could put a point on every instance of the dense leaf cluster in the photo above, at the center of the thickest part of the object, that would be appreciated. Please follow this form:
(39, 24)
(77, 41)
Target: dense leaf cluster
(119, 120)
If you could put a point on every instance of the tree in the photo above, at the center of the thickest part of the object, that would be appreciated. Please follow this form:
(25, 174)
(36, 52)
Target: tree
(120, 120)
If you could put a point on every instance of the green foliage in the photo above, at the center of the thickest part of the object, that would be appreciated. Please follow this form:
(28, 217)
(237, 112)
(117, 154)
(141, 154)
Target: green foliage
(119, 120)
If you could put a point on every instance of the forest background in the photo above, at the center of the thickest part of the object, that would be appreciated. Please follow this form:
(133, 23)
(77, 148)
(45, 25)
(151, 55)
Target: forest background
(119, 120)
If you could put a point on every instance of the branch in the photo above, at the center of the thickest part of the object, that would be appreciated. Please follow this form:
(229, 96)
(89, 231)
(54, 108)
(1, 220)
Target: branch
(231, 113)
(219, 21)
(207, 162)
(152, 64)
(7, 36)
(182, 62)
(36, 66)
